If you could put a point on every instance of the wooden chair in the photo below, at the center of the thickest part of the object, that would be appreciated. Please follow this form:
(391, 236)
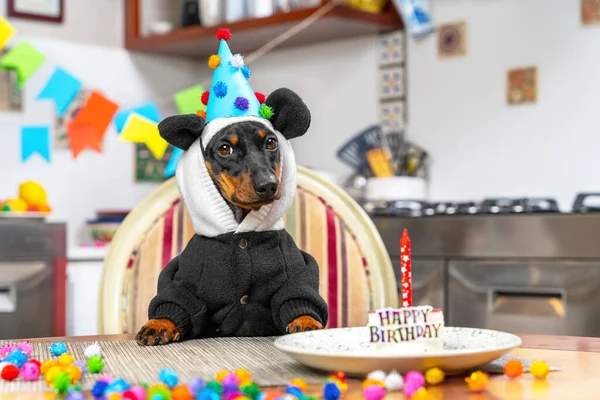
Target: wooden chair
(356, 273)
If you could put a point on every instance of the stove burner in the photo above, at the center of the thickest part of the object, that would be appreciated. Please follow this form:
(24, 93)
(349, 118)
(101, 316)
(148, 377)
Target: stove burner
(451, 208)
(410, 208)
(587, 202)
(518, 206)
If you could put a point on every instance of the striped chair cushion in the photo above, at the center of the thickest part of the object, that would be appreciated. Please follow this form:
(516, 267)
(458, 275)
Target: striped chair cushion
(345, 282)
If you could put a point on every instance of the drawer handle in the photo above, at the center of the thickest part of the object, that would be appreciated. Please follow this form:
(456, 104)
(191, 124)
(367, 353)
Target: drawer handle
(534, 303)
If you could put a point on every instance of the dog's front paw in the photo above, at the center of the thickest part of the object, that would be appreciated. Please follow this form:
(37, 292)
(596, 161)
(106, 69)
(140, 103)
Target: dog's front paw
(303, 324)
(157, 331)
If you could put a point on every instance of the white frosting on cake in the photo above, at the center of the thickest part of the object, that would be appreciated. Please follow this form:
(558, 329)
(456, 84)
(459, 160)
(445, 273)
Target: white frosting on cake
(408, 330)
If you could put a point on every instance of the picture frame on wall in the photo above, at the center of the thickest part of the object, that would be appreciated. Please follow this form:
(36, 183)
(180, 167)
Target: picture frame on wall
(11, 95)
(38, 10)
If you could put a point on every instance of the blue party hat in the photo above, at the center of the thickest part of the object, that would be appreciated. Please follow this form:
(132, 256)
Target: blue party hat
(231, 94)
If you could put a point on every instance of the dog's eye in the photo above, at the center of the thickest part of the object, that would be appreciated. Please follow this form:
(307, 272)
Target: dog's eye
(225, 150)
(271, 144)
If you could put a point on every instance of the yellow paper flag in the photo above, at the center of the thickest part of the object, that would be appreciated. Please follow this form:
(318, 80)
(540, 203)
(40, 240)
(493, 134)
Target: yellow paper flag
(141, 130)
(6, 31)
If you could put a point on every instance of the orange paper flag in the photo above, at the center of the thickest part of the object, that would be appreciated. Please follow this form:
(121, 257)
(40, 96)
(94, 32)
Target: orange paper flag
(83, 136)
(96, 113)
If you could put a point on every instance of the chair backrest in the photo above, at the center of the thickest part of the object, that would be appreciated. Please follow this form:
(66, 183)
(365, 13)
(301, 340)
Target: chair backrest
(356, 273)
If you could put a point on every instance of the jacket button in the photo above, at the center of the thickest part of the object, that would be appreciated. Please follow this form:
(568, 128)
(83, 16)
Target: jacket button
(243, 244)
(244, 300)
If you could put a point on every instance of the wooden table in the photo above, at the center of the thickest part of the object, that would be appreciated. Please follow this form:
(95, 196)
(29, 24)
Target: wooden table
(580, 379)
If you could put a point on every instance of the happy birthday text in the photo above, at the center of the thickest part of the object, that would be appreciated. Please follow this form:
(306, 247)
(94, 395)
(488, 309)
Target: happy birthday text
(394, 325)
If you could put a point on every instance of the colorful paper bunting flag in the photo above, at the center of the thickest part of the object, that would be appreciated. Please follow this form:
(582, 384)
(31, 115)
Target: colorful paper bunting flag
(83, 136)
(97, 112)
(25, 59)
(62, 88)
(149, 110)
(6, 31)
(172, 165)
(188, 100)
(141, 130)
(35, 139)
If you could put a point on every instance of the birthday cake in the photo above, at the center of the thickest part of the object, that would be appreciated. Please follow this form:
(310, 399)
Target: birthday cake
(409, 328)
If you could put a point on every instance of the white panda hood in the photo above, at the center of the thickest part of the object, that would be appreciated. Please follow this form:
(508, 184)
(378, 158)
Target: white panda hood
(211, 215)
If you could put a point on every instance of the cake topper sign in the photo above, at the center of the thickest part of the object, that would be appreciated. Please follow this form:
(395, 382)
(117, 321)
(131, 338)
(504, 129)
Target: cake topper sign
(395, 325)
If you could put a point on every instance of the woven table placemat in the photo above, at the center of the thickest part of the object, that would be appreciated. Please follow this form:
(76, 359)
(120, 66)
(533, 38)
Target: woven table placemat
(190, 359)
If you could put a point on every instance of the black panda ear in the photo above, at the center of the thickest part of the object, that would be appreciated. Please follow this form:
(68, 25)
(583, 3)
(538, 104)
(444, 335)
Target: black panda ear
(291, 116)
(181, 130)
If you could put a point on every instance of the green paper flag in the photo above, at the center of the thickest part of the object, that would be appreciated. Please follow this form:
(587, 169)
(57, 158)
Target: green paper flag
(25, 59)
(188, 100)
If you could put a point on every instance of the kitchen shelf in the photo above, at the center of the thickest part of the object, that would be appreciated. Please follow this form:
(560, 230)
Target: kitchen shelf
(199, 42)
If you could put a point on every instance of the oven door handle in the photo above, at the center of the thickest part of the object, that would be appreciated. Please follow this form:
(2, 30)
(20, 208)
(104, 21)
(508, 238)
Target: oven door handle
(532, 302)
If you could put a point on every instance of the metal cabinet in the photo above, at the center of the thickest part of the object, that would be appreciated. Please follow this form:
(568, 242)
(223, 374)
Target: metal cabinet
(428, 281)
(535, 297)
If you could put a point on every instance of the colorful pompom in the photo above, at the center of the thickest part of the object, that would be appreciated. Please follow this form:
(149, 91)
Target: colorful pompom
(196, 385)
(237, 61)
(137, 392)
(95, 364)
(9, 372)
(299, 383)
(46, 365)
(81, 367)
(61, 382)
(75, 396)
(413, 381)
(181, 392)
(17, 357)
(394, 382)
(26, 348)
(92, 350)
(246, 71)
(204, 97)
(159, 392)
(252, 391)
(434, 376)
(369, 382)
(214, 61)
(66, 359)
(30, 371)
(51, 373)
(6, 350)
(539, 369)
(373, 392)
(118, 385)
(168, 377)
(114, 396)
(99, 388)
(377, 376)
(513, 368)
(57, 349)
(220, 89)
(231, 378)
(261, 99)
(241, 103)
(207, 394)
(74, 373)
(266, 112)
(331, 391)
(215, 387)
(223, 34)
(244, 376)
(477, 381)
(421, 394)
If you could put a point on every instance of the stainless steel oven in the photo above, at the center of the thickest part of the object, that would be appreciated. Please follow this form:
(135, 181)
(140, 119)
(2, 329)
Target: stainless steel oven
(32, 278)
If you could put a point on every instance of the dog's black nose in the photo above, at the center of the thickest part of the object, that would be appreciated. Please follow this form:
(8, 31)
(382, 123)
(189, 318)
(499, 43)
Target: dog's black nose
(267, 189)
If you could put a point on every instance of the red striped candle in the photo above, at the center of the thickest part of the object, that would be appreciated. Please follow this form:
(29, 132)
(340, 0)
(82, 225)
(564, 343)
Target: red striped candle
(405, 273)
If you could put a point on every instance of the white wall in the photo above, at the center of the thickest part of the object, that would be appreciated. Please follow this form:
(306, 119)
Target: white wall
(480, 145)
(97, 22)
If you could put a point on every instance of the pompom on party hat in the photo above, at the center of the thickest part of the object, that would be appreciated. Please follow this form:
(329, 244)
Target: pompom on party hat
(231, 94)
